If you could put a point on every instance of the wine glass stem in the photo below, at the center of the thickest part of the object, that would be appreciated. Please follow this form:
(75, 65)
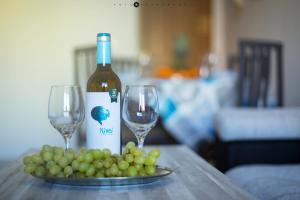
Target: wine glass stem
(67, 142)
(140, 142)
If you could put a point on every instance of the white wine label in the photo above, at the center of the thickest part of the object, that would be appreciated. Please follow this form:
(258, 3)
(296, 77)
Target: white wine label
(103, 120)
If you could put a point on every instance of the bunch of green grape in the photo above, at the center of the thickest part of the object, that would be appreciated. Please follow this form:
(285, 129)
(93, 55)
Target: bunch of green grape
(91, 163)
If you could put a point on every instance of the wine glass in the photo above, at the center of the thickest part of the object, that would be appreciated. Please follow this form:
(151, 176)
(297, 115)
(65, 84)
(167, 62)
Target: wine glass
(140, 110)
(65, 110)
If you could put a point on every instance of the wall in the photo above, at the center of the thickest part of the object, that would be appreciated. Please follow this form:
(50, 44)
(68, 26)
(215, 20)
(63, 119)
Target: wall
(37, 42)
(218, 30)
(160, 32)
(274, 20)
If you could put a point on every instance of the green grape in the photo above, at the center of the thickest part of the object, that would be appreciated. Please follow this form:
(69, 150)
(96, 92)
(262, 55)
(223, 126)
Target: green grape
(83, 150)
(119, 159)
(29, 168)
(139, 160)
(70, 155)
(47, 148)
(138, 167)
(150, 170)
(107, 173)
(150, 160)
(68, 171)
(71, 151)
(106, 153)
(80, 157)
(57, 157)
(131, 171)
(63, 162)
(132, 149)
(115, 155)
(90, 151)
(137, 152)
(47, 156)
(58, 151)
(83, 167)
(102, 170)
(107, 163)
(113, 159)
(142, 153)
(90, 171)
(75, 165)
(40, 171)
(98, 164)
(53, 161)
(27, 160)
(99, 175)
(129, 158)
(37, 159)
(79, 175)
(88, 157)
(124, 173)
(142, 172)
(119, 173)
(97, 154)
(155, 153)
(48, 174)
(50, 164)
(60, 175)
(130, 145)
(41, 152)
(126, 151)
(114, 170)
(55, 170)
(123, 165)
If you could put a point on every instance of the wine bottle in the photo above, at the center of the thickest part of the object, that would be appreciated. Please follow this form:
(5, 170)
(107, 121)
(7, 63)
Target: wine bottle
(103, 98)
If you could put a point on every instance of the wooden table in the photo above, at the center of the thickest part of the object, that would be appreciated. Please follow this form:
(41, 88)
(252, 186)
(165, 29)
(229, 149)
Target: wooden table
(193, 178)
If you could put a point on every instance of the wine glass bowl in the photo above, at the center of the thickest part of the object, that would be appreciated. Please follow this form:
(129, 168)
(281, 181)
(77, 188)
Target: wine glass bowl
(65, 110)
(140, 110)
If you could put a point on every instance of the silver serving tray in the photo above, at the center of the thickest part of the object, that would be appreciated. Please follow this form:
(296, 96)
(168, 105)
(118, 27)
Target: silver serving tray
(113, 181)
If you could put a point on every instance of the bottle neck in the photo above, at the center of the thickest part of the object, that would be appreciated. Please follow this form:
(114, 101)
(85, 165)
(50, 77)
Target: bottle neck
(103, 54)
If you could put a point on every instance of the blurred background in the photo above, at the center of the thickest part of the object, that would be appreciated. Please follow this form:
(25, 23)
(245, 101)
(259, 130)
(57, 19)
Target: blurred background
(190, 49)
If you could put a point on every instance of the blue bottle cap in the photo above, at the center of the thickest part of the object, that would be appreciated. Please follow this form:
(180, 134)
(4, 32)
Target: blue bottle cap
(103, 34)
(104, 37)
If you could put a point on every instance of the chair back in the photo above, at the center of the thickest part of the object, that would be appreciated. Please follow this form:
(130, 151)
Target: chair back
(258, 61)
(128, 69)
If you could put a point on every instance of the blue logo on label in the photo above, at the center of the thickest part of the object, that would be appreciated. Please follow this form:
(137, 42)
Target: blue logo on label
(100, 114)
